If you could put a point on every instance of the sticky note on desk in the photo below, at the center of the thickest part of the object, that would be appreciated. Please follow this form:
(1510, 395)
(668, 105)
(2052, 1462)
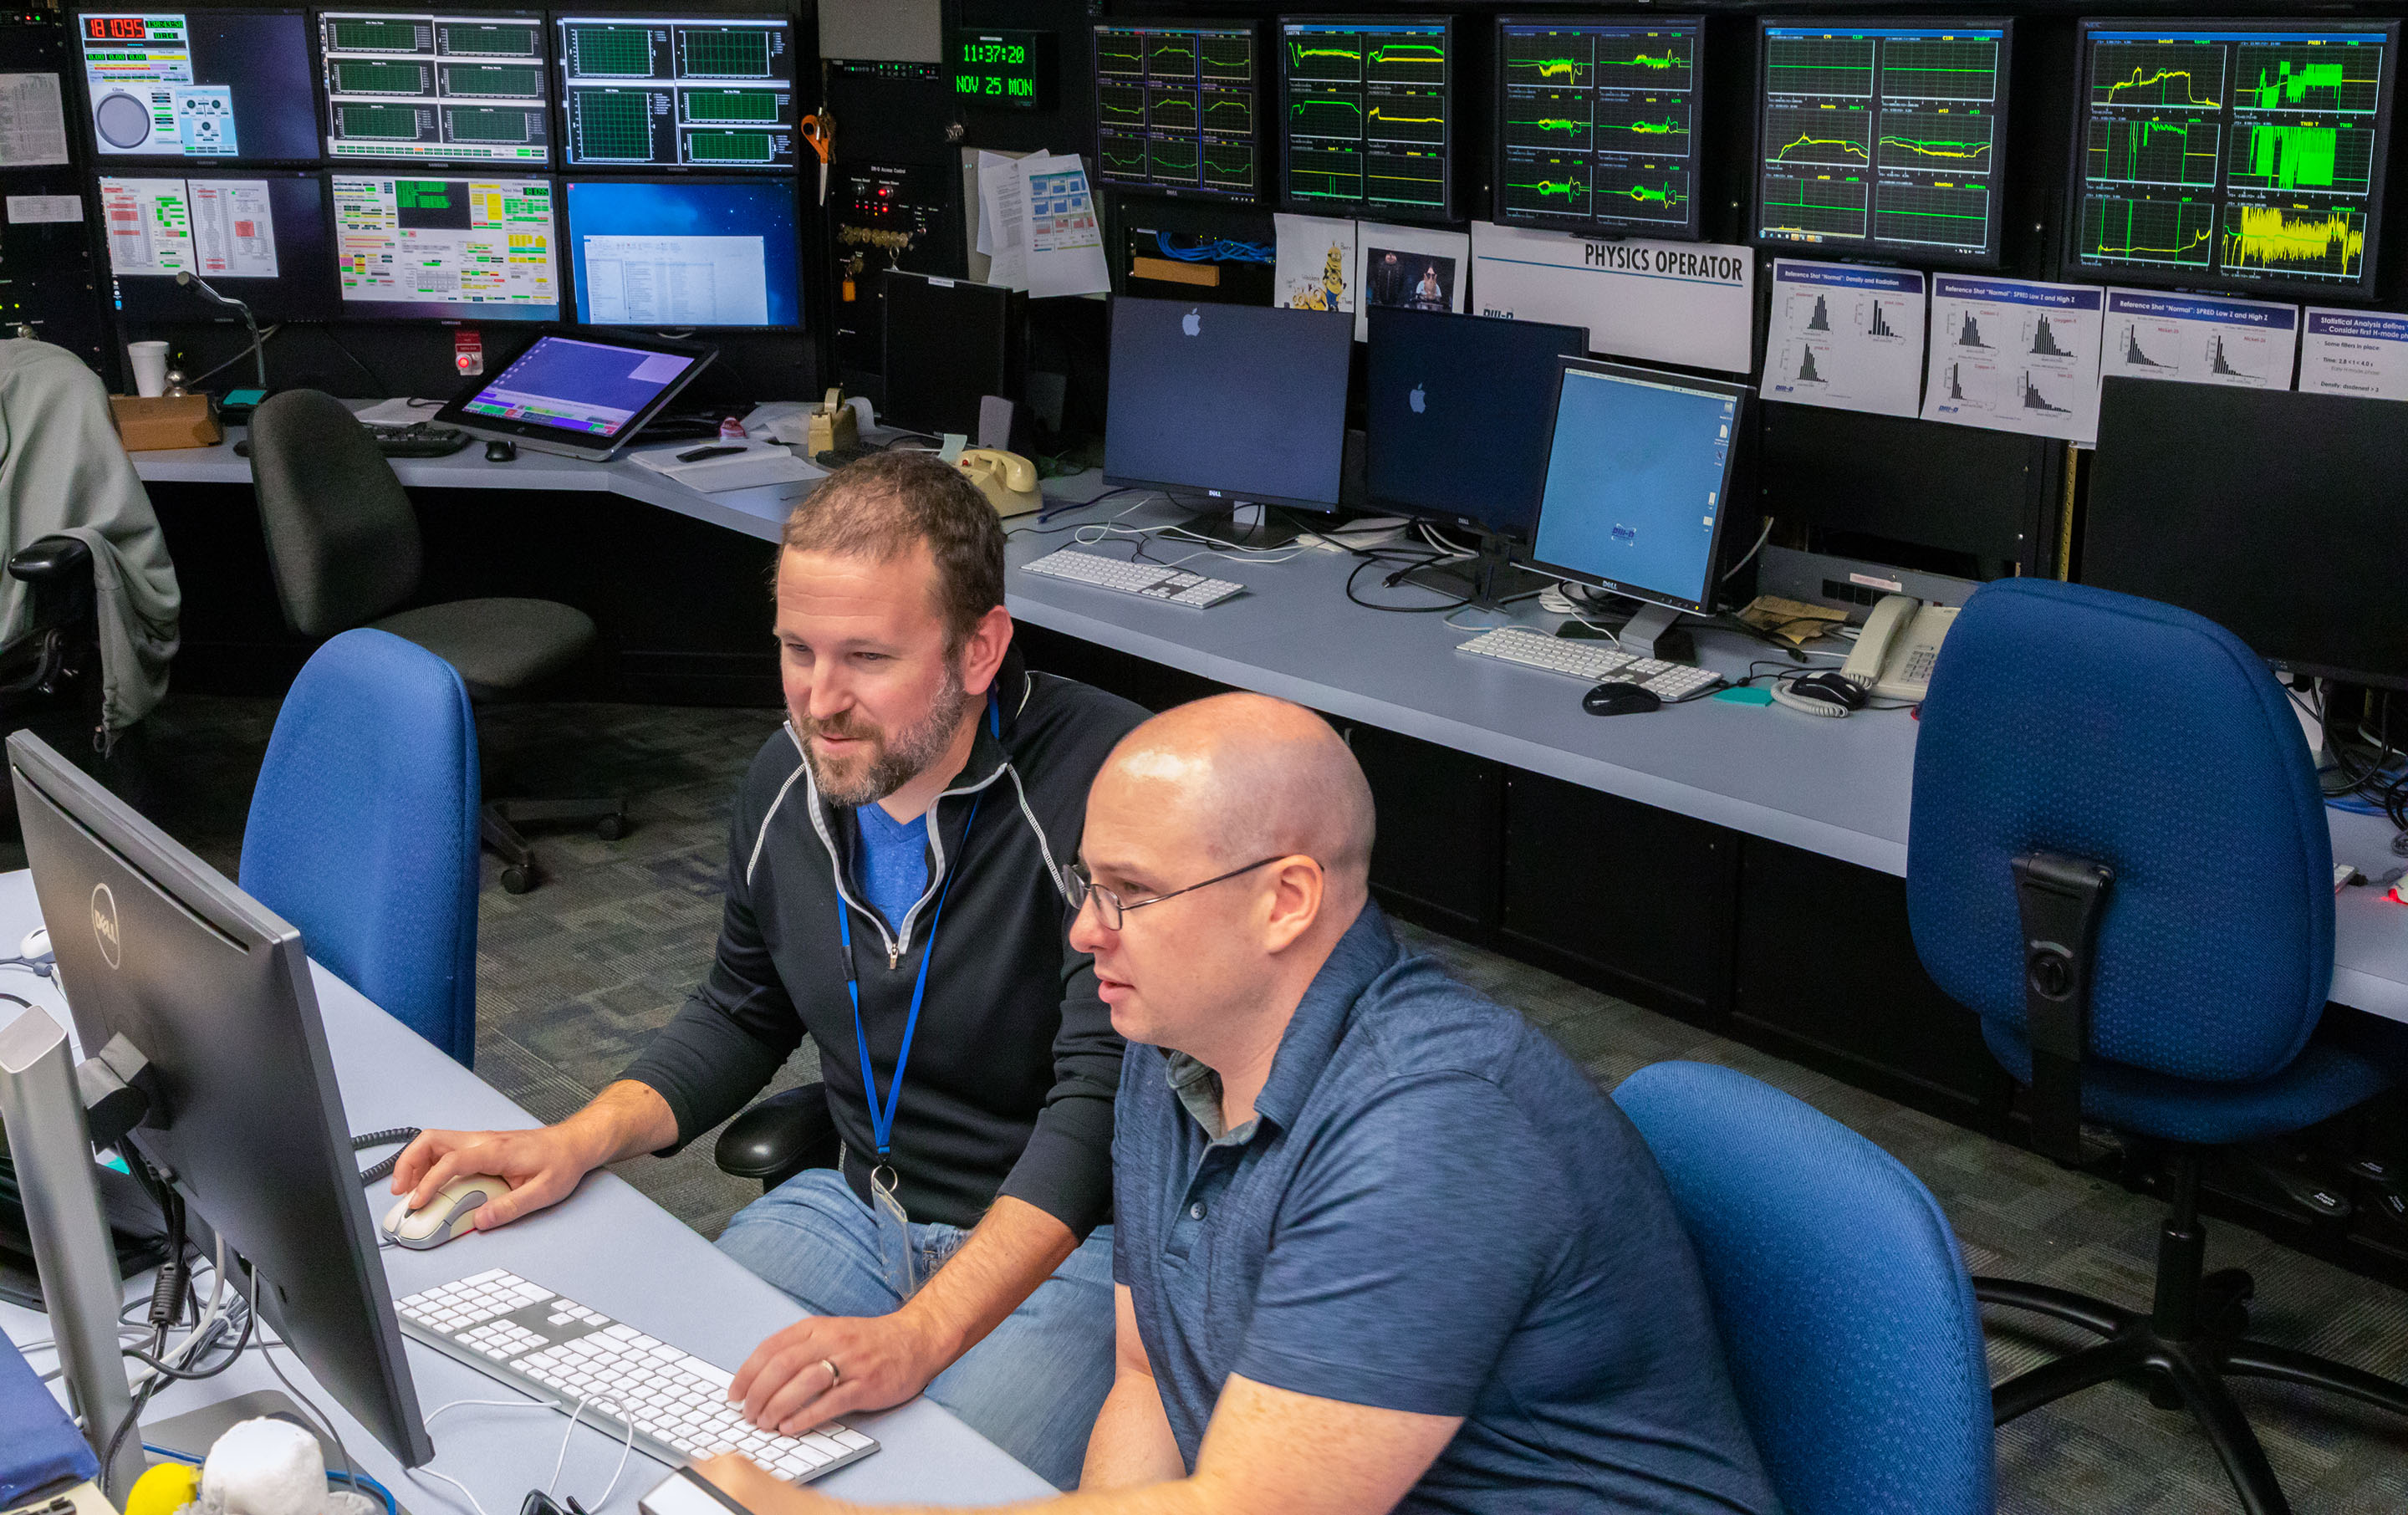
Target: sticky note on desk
(1744, 694)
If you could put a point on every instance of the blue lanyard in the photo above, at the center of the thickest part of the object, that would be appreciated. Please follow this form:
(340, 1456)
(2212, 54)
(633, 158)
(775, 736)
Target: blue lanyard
(882, 1117)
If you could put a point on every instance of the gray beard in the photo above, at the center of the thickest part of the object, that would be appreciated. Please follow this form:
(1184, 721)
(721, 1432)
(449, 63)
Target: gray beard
(897, 761)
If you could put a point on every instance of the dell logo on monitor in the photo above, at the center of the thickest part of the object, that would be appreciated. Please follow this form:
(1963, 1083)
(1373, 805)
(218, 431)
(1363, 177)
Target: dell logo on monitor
(104, 923)
(1191, 323)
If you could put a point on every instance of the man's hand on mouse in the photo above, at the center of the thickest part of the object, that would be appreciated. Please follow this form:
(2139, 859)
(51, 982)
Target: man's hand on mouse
(541, 1167)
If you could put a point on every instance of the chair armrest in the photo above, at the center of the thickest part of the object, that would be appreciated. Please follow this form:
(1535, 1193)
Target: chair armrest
(779, 1138)
(49, 560)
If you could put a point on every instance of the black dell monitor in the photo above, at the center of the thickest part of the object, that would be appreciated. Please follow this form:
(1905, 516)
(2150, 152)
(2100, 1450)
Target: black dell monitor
(197, 85)
(1637, 482)
(948, 344)
(1239, 405)
(2275, 514)
(156, 946)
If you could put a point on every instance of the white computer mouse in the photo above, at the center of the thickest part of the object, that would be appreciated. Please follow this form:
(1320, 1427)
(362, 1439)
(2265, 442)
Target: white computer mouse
(35, 945)
(451, 1212)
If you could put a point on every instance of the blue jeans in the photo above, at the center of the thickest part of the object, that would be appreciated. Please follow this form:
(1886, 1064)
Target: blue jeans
(1032, 1387)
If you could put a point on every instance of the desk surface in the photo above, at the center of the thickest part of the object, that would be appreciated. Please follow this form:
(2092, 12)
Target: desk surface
(1839, 788)
(607, 1244)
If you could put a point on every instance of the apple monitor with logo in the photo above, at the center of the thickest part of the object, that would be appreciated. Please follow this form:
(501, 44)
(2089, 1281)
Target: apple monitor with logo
(1224, 406)
(1456, 411)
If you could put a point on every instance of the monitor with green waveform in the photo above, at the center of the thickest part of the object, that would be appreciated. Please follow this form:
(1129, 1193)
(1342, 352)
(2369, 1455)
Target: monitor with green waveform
(1596, 122)
(1884, 138)
(1366, 116)
(1175, 108)
(2246, 155)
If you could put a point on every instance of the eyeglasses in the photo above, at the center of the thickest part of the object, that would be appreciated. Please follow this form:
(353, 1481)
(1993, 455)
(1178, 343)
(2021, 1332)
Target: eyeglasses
(1081, 887)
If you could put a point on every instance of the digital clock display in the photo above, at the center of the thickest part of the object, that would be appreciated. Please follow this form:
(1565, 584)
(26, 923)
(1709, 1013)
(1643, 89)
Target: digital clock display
(1003, 70)
(116, 28)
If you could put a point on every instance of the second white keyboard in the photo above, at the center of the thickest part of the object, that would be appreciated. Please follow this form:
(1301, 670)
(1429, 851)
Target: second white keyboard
(1155, 581)
(545, 1344)
(1592, 663)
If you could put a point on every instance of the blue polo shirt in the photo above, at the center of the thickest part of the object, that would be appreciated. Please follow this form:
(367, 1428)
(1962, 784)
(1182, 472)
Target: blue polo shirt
(1433, 1210)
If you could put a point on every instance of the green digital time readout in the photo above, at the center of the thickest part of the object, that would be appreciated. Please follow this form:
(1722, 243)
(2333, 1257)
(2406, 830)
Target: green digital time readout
(1003, 69)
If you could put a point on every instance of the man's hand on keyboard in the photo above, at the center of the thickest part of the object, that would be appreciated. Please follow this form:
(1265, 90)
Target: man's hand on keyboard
(881, 1361)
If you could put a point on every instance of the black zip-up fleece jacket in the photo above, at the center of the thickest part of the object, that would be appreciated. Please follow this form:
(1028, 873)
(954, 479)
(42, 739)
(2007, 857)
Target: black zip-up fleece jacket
(1009, 1086)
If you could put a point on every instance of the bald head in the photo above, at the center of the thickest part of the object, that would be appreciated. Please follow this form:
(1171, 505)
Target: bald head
(1249, 777)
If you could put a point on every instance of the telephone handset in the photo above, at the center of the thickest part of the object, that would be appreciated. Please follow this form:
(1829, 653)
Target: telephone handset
(1007, 479)
(1898, 647)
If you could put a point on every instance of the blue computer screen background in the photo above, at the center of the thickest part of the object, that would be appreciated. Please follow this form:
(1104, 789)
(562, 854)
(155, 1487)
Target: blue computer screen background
(1634, 481)
(765, 209)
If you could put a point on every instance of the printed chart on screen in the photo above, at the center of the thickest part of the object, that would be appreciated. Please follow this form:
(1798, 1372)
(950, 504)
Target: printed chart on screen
(2232, 155)
(1597, 124)
(446, 248)
(706, 91)
(222, 228)
(435, 87)
(1175, 109)
(201, 84)
(1888, 139)
(1367, 117)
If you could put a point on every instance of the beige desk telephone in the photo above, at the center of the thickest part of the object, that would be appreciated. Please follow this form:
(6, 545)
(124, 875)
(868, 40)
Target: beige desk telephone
(1007, 479)
(1898, 647)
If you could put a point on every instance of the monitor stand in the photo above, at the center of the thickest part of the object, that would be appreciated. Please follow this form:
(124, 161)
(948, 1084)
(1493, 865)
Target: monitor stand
(1653, 634)
(1486, 579)
(1240, 525)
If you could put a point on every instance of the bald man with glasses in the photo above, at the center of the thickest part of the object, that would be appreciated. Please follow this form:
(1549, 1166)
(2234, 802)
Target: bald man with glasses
(1379, 1245)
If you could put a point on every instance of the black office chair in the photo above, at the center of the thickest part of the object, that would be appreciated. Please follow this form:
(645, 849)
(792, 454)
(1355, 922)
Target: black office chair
(782, 1136)
(343, 540)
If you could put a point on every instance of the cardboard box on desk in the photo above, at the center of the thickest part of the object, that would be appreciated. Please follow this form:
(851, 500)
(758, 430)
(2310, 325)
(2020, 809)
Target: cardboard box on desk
(165, 423)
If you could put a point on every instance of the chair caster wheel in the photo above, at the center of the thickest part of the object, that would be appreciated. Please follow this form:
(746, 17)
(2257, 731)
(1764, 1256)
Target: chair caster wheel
(517, 880)
(611, 827)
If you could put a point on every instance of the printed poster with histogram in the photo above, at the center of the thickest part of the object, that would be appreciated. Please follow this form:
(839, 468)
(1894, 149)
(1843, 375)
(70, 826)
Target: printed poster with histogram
(2240, 155)
(2015, 356)
(2199, 339)
(1845, 338)
(1885, 139)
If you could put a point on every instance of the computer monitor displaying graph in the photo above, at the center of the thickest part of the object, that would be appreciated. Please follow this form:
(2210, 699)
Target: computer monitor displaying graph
(435, 88)
(1885, 138)
(1176, 107)
(700, 91)
(1637, 481)
(226, 86)
(1598, 123)
(670, 254)
(2243, 155)
(445, 248)
(258, 237)
(1367, 117)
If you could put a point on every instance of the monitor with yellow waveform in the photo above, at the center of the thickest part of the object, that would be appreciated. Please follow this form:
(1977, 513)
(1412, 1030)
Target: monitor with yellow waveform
(1596, 122)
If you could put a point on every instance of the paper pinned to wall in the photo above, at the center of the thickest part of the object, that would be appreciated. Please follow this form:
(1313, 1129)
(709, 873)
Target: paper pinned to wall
(33, 124)
(1845, 338)
(2199, 339)
(2010, 355)
(2360, 352)
(1003, 220)
(1411, 268)
(1066, 232)
(1317, 266)
(1690, 303)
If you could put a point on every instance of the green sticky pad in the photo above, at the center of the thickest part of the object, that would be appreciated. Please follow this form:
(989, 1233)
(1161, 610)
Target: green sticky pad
(1745, 695)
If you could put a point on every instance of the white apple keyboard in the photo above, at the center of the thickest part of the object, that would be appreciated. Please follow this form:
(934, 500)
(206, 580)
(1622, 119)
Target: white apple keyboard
(1591, 662)
(545, 1344)
(1155, 581)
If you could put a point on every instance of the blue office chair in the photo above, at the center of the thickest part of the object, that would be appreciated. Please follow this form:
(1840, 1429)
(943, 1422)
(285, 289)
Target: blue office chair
(1845, 1310)
(363, 830)
(2119, 858)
